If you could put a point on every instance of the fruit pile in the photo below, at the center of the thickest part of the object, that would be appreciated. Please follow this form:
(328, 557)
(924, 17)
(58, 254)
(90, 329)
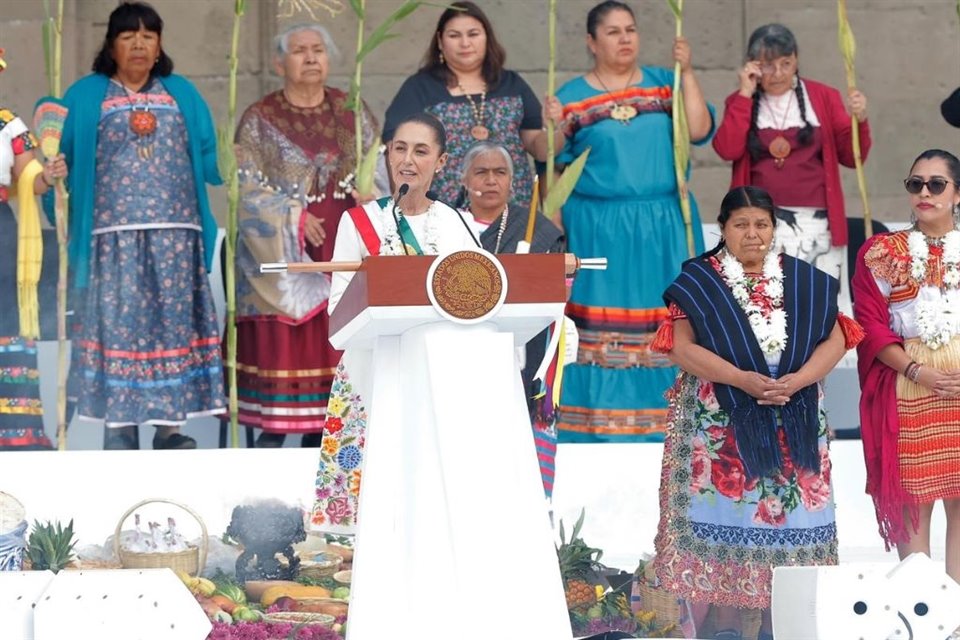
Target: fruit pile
(593, 608)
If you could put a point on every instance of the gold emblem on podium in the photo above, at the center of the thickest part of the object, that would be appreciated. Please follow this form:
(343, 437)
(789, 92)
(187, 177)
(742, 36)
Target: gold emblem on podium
(467, 285)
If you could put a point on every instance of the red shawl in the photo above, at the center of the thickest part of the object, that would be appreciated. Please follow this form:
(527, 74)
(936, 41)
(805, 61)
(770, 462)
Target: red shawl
(879, 421)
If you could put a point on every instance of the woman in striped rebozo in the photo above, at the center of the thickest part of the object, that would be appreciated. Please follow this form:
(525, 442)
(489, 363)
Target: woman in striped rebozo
(907, 292)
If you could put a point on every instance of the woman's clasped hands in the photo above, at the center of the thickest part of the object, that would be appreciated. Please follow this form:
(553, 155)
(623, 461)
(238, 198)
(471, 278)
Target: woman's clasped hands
(767, 390)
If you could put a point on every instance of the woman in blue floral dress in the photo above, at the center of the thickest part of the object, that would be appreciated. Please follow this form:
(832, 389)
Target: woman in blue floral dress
(141, 145)
(745, 485)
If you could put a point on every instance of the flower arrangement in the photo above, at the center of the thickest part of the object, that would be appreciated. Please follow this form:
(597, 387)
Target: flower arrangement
(768, 320)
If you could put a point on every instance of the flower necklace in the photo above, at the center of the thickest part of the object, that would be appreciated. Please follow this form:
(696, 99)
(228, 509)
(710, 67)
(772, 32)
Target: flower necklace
(392, 245)
(770, 329)
(936, 320)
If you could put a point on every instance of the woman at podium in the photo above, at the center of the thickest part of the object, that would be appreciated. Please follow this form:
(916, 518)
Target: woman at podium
(407, 223)
(746, 485)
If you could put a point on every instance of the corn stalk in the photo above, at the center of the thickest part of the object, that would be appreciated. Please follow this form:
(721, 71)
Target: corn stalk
(365, 46)
(228, 169)
(552, 87)
(848, 47)
(681, 137)
(53, 58)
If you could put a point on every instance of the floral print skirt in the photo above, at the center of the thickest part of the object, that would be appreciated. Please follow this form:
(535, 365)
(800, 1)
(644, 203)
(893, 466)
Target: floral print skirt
(341, 458)
(147, 348)
(721, 533)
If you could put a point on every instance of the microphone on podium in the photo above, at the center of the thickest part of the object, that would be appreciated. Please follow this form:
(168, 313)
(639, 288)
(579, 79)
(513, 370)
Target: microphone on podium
(432, 195)
(402, 191)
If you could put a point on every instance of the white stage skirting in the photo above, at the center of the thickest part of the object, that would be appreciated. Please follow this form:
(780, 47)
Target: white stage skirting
(617, 484)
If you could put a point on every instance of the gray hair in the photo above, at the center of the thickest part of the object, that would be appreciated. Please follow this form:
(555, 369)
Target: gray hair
(281, 42)
(481, 148)
(771, 41)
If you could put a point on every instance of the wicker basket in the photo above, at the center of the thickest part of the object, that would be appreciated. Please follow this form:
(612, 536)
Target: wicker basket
(321, 569)
(190, 560)
(664, 604)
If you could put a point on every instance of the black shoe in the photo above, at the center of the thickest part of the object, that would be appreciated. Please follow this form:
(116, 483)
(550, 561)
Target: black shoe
(119, 439)
(174, 441)
(270, 440)
(311, 440)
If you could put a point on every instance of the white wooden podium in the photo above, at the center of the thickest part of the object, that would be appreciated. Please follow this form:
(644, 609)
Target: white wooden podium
(453, 537)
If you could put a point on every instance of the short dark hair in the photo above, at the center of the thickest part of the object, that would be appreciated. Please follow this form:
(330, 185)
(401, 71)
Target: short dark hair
(130, 16)
(953, 164)
(428, 120)
(494, 58)
(599, 12)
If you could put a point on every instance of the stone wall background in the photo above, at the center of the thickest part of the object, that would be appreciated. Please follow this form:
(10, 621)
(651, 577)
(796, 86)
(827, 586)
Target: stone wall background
(908, 61)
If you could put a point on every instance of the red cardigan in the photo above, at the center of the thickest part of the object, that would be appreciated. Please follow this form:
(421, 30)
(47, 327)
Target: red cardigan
(730, 142)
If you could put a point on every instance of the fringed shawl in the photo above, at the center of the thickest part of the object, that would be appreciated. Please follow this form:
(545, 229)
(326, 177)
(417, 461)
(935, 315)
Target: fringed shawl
(721, 326)
(879, 420)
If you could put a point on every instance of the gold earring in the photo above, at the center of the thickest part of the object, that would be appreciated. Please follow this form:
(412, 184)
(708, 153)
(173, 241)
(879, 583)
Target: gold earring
(442, 59)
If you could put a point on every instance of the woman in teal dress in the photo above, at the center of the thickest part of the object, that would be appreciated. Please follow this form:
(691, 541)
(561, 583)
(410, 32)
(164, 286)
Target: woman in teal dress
(626, 208)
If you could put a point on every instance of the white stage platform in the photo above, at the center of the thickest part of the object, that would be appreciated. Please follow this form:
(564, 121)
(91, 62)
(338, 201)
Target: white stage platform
(617, 484)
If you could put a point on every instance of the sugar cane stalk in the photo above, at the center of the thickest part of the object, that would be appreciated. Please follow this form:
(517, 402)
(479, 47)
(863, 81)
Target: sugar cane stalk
(848, 47)
(681, 137)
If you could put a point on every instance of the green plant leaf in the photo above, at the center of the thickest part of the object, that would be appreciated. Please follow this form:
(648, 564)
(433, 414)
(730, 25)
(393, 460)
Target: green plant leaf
(240, 7)
(351, 104)
(368, 166)
(382, 32)
(226, 154)
(563, 187)
(357, 9)
(675, 8)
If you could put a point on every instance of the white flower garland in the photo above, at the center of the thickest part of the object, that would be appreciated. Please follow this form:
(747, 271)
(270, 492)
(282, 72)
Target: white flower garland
(391, 245)
(936, 321)
(771, 331)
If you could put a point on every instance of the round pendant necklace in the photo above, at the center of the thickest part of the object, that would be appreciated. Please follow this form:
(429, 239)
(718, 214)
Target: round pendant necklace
(622, 113)
(780, 147)
(479, 131)
(142, 122)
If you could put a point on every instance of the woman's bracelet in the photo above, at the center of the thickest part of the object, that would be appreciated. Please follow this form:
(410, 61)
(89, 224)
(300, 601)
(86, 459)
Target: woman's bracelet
(912, 372)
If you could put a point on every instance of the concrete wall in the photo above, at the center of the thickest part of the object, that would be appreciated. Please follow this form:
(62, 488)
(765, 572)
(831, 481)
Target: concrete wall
(908, 60)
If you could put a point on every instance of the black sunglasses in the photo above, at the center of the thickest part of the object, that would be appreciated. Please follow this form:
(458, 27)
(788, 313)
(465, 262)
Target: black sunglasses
(936, 186)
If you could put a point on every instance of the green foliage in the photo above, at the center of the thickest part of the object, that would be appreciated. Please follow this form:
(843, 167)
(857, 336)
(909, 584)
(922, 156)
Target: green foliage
(565, 184)
(368, 166)
(50, 546)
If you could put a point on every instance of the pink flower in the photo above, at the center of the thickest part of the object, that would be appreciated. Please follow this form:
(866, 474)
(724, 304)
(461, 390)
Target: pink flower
(700, 466)
(770, 511)
(338, 509)
(707, 397)
(825, 465)
(814, 491)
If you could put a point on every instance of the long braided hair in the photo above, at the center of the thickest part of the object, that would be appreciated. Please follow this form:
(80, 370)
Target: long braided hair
(769, 42)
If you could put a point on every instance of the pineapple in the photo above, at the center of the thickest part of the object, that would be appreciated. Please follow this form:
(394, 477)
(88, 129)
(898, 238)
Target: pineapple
(579, 565)
(50, 546)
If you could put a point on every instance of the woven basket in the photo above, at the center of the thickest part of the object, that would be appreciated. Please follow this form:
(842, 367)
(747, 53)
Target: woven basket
(664, 604)
(190, 560)
(12, 512)
(300, 617)
(322, 569)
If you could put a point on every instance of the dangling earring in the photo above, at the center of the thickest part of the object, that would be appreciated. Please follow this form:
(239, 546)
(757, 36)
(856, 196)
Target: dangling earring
(442, 59)
(794, 82)
(913, 218)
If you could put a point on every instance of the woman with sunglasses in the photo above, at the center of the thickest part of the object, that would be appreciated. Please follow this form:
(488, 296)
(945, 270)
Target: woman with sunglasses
(789, 136)
(907, 288)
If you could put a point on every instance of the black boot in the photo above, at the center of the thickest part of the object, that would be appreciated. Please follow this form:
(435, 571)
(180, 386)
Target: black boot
(120, 438)
(269, 440)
